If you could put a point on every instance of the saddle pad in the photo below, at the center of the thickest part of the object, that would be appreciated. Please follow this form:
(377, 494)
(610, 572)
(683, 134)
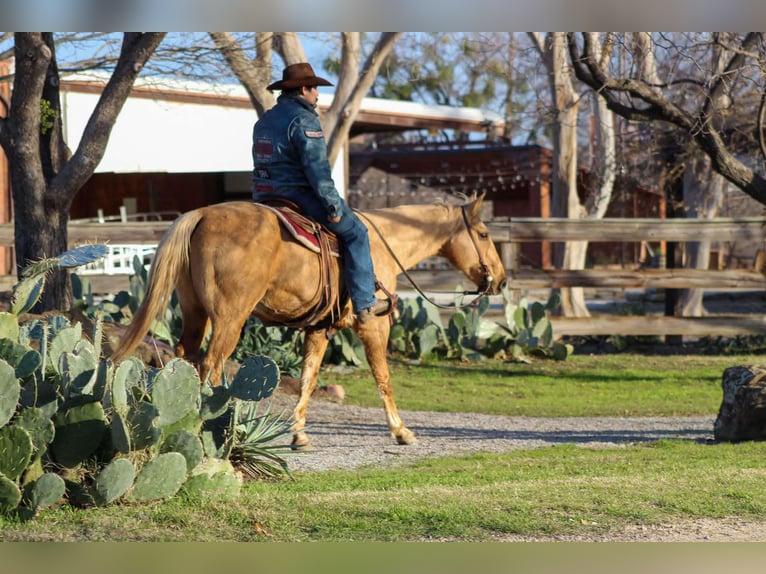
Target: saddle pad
(303, 229)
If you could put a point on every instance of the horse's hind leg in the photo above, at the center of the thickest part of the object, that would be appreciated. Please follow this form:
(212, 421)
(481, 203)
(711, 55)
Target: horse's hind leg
(314, 346)
(195, 323)
(226, 331)
(374, 335)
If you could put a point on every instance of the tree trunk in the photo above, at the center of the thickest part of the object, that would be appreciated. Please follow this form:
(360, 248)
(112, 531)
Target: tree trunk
(44, 175)
(703, 195)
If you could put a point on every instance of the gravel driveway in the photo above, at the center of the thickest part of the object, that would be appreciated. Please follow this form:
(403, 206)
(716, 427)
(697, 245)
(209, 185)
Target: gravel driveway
(347, 437)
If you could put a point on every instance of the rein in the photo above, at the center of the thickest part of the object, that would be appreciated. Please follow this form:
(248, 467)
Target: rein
(482, 265)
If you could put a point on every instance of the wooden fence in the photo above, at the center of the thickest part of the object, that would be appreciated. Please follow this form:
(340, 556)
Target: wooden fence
(508, 233)
(511, 232)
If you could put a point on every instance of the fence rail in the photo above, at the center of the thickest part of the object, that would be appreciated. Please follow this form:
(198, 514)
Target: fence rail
(508, 233)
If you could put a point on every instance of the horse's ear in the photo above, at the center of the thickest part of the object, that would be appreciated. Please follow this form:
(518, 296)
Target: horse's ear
(474, 207)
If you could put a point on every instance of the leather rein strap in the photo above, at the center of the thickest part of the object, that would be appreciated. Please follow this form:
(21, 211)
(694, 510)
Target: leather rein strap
(482, 265)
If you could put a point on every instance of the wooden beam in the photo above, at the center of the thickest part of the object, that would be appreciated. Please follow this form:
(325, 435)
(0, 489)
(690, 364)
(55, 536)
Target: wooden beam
(641, 279)
(715, 326)
(619, 229)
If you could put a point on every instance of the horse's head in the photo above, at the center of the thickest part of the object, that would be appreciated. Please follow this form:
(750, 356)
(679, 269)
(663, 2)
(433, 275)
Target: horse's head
(471, 250)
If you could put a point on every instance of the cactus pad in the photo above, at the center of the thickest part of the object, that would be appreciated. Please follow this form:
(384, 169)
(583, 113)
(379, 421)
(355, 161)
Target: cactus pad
(29, 362)
(10, 495)
(176, 391)
(257, 379)
(141, 419)
(82, 255)
(79, 432)
(187, 444)
(15, 451)
(120, 433)
(9, 326)
(64, 341)
(26, 293)
(10, 390)
(160, 478)
(45, 491)
(215, 404)
(128, 373)
(114, 481)
(39, 426)
(214, 475)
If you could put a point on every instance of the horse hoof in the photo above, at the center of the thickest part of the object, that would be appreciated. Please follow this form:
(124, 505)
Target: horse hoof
(301, 443)
(405, 436)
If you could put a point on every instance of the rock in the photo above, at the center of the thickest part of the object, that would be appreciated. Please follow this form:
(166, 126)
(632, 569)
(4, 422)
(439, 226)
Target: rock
(742, 415)
(292, 386)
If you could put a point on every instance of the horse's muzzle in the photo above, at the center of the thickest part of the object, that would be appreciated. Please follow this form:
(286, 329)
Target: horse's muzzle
(491, 287)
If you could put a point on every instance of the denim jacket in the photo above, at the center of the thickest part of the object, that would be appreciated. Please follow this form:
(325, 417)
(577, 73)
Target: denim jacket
(290, 154)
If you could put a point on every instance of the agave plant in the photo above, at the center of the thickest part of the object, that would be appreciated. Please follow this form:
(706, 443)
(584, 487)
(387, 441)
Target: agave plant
(256, 449)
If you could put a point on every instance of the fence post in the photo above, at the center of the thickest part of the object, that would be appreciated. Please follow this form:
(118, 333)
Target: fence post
(510, 253)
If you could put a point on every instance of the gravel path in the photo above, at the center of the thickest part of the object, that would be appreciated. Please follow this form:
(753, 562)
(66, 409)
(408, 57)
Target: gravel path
(347, 437)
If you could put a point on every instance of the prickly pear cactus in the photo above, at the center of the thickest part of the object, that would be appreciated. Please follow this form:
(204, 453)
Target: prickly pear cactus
(129, 373)
(215, 404)
(114, 481)
(15, 451)
(120, 432)
(10, 389)
(40, 428)
(160, 478)
(79, 432)
(214, 476)
(141, 422)
(64, 341)
(82, 255)
(29, 363)
(186, 443)
(257, 379)
(26, 293)
(78, 371)
(10, 495)
(9, 326)
(45, 491)
(176, 391)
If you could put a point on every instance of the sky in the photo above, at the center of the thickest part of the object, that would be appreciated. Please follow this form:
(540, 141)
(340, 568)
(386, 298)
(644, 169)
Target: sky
(381, 15)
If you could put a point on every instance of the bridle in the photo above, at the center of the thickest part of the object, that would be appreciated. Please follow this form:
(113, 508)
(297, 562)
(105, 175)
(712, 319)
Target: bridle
(483, 267)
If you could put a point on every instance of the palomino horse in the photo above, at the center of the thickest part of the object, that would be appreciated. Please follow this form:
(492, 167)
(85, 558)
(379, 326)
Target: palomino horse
(230, 260)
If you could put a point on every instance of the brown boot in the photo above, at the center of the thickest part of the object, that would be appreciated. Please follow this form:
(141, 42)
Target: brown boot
(380, 308)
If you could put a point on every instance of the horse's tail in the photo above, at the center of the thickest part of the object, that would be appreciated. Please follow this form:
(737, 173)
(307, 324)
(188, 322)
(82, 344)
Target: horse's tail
(171, 262)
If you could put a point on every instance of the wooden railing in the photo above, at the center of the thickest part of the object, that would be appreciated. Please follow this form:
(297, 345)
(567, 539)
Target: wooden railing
(510, 232)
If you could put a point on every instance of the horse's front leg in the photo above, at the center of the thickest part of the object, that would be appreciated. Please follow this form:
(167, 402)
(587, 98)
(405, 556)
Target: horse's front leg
(314, 346)
(374, 335)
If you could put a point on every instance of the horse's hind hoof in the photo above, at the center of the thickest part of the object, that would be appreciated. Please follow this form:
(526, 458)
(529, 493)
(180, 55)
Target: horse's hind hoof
(301, 443)
(405, 436)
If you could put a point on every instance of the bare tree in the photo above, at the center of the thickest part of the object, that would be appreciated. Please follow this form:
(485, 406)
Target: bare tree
(566, 201)
(690, 100)
(45, 174)
(353, 81)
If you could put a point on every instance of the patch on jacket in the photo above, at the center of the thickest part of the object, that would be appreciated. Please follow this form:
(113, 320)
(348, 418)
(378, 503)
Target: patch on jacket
(313, 133)
(263, 149)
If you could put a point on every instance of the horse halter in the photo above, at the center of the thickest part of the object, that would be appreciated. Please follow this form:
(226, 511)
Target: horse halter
(484, 268)
(488, 279)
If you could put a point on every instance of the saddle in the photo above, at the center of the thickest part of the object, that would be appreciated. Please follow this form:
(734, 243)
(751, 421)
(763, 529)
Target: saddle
(305, 231)
(323, 242)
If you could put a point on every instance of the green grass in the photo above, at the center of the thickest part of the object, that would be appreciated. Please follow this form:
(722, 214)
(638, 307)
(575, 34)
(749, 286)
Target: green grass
(598, 385)
(559, 490)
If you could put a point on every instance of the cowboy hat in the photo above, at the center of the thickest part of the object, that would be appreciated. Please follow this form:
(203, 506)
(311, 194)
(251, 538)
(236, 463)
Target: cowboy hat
(297, 75)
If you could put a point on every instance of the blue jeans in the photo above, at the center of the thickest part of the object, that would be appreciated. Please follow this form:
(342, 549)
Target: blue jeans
(358, 271)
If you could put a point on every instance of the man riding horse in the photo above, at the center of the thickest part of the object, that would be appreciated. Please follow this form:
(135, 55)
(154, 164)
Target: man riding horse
(290, 163)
